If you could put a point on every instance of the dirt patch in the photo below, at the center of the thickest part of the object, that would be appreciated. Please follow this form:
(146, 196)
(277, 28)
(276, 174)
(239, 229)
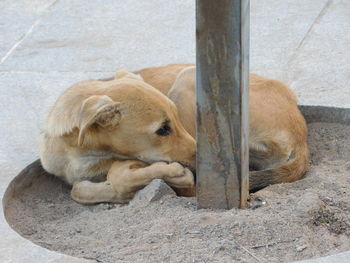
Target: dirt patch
(285, 222)
(333, 220)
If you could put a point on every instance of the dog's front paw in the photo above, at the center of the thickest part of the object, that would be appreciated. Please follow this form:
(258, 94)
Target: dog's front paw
(179, 176)
(81, 192)
(169, 170)
(86, 192)
(176, 170)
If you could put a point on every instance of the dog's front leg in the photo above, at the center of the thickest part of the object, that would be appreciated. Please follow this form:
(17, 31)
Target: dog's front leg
(126, 177)
(129, 176)
(87, 192)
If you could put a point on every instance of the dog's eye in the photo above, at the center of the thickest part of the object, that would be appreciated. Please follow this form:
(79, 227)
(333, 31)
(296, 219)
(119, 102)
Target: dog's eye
(165, 130)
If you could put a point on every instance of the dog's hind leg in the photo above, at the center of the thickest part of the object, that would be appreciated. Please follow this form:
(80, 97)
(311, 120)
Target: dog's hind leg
(273, 164)
(126, 177)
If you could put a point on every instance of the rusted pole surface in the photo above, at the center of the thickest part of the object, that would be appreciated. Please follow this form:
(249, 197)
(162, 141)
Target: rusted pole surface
(222, 103)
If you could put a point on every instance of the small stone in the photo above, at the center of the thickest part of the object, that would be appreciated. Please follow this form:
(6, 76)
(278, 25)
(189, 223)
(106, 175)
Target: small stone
(308, 203)
(256, 202)
(152, 192)
(110, 206)
(301, 248)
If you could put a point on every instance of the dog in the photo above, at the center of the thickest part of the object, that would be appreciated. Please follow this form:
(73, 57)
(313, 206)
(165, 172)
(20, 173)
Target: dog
(79, 148)
(278, 150)
(109, 139)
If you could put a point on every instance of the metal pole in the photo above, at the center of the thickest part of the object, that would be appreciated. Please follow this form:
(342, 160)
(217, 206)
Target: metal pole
(222, 103)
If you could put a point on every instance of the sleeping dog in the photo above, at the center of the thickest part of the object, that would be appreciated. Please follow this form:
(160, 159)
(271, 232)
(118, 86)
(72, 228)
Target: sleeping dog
(129, 129)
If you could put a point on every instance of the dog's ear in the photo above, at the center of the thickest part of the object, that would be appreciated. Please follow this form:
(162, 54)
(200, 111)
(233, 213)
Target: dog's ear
(126, 74)
(100, 110)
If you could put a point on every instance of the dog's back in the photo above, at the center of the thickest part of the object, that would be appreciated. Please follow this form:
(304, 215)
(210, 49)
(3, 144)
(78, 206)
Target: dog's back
(278, 131)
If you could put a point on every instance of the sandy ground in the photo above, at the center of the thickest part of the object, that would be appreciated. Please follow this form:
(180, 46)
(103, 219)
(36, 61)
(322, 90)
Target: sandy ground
(287, 222)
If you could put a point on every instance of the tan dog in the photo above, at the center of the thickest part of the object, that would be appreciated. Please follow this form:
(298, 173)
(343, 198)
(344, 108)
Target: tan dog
(115, 127)
(278, 149)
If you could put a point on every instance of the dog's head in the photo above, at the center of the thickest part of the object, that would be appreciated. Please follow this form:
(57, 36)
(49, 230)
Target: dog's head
(131, 118)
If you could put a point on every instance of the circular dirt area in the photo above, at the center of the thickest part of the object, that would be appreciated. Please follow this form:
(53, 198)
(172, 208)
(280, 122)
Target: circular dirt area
(287, 222)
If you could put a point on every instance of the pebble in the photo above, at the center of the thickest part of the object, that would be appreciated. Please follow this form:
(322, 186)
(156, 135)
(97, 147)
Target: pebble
(152, 192)
(301, 248)
(308, 203)
(256, 202)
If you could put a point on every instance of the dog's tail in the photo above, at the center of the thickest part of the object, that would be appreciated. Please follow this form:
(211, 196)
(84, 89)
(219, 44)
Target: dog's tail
(289, 172)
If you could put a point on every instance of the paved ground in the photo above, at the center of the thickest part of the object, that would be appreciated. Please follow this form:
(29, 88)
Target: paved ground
(47, 45)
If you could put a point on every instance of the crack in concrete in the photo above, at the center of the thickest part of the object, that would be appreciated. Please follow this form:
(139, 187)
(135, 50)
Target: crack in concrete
(29, 31)
(307, 34)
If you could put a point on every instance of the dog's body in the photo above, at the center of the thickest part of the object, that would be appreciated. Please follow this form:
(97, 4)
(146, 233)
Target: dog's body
(95, 125)
(116, 127)
(278, 148)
